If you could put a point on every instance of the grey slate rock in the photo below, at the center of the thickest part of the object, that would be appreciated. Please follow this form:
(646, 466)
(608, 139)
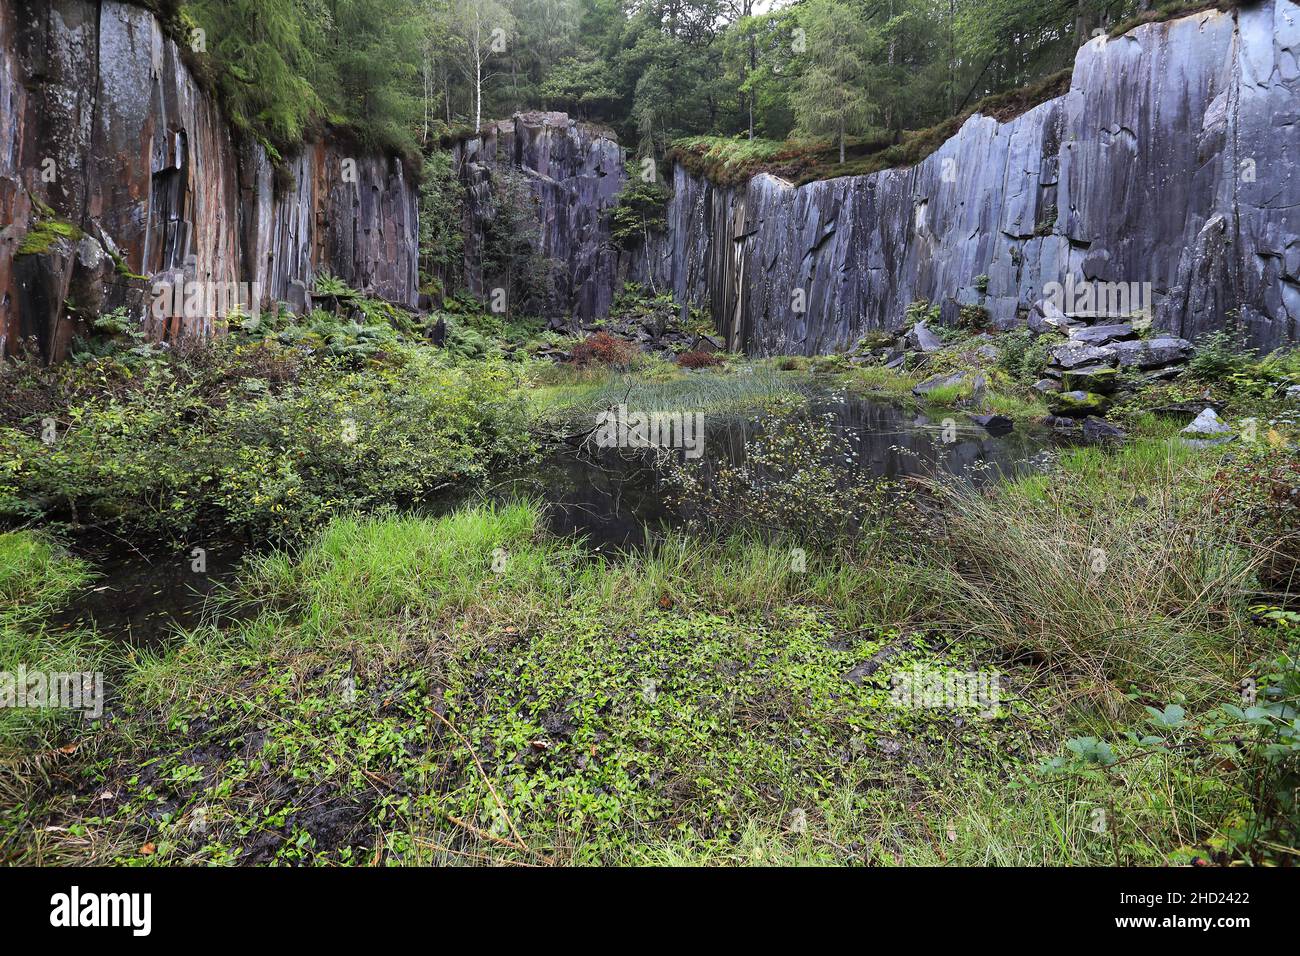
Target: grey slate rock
(1101, 334)
(1091, 378)
(1046, 386)
(1152, 353)
(1208, 430)
(1098, 431)
(1132, 176)
(995, 425)
(920, 337)
(1072, 356)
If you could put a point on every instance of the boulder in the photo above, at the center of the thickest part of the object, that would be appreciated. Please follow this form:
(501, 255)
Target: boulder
(1045, 317)
(950, 379)
(1207, 431)
(1077, 403)
(298, 297)
(1151, 353)
(1046, 386)
(995, 425)
(1102, 334)
(1098, 431)
(1076, 356)
(922, 339)
(1091, 378)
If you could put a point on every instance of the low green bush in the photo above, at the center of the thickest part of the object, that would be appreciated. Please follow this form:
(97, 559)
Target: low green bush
(251, 434)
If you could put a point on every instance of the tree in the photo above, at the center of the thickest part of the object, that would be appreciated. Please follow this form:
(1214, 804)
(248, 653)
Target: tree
(375, 52)
(482, 27)
(829, 96)
(266, 64)
(441, 215)
(580, 85)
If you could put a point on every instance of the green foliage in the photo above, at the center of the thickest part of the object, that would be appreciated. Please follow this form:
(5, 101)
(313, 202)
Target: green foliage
(284, 66)
(831, 95)
(581, 86)
(1260, 487)
(641, 210)
(37, 578)
(519, 699)
(1253, 746)
(973, 318)
(1024, 355)
(922, 311)
(441, 236)
(44, 233)
(269, 72)
(327, 284)
(249, 434)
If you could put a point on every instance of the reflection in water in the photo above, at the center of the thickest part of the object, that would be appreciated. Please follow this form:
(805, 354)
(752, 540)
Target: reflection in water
(139, 597)
(610, 496)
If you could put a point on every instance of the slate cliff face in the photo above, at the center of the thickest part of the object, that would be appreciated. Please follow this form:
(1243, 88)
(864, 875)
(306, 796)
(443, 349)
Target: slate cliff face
(574, 173)
(105, 133)
(1172, 160)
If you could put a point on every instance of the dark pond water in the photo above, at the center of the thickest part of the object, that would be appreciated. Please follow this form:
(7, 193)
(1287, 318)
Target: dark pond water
(609, 497)
(139, 595)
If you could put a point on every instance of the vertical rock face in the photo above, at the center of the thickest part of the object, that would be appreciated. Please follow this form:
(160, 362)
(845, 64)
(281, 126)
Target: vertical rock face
(574, 173)
(1172, 160)
(117, 171)
(349, 213)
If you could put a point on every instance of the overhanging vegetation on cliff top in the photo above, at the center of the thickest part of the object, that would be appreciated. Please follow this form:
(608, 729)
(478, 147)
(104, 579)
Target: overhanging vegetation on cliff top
(731, 161)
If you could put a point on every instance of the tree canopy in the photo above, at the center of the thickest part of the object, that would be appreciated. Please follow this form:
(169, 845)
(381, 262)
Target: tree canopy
(403, 73)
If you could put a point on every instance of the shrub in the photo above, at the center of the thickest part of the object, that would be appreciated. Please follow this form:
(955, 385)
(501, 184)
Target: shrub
(973, 318)
(700, 360)
(1024, 355)
(1068, 569)
(251, 435)
(605, 349)
(1218, 355)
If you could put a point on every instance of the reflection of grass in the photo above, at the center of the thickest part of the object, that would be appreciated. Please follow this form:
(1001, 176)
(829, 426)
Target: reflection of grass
(733, 389)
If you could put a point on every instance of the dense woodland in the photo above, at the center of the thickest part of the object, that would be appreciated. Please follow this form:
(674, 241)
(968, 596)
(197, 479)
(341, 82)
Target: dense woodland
(404, 73)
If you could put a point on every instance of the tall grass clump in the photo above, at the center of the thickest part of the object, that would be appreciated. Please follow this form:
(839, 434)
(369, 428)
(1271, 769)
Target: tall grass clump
(381, 579)
(1137, 587)
(37, 578)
